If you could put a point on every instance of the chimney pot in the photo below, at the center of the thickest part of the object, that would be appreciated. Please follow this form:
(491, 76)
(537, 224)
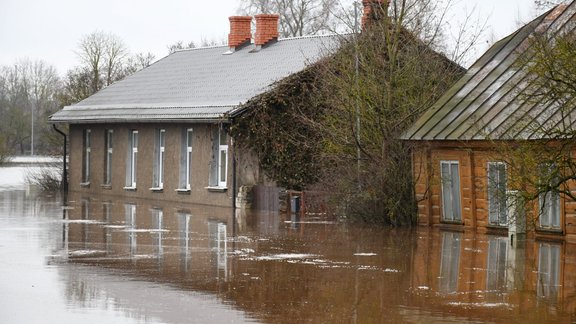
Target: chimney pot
(266, 28)
(240, 33)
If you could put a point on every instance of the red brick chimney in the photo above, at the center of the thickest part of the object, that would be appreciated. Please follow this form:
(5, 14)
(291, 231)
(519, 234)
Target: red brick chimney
(266, 29)
(240, 33)
(373, 10)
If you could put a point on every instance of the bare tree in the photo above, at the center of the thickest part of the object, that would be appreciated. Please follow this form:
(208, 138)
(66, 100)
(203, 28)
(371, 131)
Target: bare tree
(337, 124)
(297, 17)
(27, 96)
(103, 54)
(104, 60)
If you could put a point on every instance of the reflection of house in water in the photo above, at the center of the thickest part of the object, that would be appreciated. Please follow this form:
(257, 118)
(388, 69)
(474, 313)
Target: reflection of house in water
(283, 276)
(485, 273)
(153, 235)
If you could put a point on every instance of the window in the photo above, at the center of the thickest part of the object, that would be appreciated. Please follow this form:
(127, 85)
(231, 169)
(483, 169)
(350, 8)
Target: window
(131, 166)
(222, 159)
(497, 210)
(186, 159)
(86, 156)
(219, 164)
(450, 262)
(108, 157)
(549, 202)
(160, 144)
(450, 178)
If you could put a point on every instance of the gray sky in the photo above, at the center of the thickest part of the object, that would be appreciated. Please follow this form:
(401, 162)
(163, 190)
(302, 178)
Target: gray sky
(50, 29)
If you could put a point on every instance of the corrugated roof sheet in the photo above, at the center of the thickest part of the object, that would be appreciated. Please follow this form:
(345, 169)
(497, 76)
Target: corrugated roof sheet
(489, 101)
(198, 84)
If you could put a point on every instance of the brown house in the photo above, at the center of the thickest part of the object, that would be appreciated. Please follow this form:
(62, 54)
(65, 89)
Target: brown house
(458, 166)
(161, 133)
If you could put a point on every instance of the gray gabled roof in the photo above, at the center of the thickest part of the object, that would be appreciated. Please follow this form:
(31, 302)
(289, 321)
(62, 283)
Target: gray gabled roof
(198, 84)
(490, 101)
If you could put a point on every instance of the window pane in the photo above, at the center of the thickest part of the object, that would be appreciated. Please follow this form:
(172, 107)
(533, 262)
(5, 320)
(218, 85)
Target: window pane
(223, 160)
(446, 191)
(455, 191)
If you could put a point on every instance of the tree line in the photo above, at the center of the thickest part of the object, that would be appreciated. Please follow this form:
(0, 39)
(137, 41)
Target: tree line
(32, 90)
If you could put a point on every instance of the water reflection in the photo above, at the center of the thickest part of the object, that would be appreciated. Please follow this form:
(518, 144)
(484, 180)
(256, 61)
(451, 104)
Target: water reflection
(148, 261)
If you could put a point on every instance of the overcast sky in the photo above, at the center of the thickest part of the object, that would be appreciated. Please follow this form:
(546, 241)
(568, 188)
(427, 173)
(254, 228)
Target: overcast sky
(50, 29)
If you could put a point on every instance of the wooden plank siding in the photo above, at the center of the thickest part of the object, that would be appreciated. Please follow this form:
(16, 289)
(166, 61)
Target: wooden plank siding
(473, 168)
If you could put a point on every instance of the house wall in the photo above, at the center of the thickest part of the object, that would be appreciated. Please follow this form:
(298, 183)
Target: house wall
(202, 157)
(473, 165)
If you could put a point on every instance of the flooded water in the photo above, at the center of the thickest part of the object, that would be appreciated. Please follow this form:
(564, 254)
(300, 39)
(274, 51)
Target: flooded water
(108, 260)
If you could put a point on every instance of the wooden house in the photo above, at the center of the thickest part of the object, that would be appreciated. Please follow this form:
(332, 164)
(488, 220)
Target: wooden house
(459, 166)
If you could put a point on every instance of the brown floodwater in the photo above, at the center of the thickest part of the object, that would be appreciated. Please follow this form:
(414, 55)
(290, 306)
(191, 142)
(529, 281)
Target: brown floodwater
(100, 259)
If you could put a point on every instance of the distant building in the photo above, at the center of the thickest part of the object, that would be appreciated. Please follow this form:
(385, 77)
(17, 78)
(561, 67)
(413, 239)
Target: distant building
(459, 171)
(161, 133)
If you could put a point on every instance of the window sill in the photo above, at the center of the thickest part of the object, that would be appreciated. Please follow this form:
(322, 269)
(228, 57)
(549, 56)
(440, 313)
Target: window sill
(217, 189)
(130, 188)
(156, 189)
(544, 230)
(183, 191)
(497, 227)
(85, 184)
(106, 186)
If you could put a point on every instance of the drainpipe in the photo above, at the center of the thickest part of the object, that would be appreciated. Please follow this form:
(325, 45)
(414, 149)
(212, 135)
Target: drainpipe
(64, 171)
(233, 187)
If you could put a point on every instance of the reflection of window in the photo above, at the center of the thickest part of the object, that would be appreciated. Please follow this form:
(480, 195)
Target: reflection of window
(107, 213)
(548, 270)
(450, 262)
(159, 146)
(184, 230)
(497, 255)
(130, 215)
(218, 243)
(86, 151)
(450, 191)
(186, 159)
(549, 202)
(158, 215)
(497, 193)
(132, 159)
(219, 165)
(108, 157)
(85, 205)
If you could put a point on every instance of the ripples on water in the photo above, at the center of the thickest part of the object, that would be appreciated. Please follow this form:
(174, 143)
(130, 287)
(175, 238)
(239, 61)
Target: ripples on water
(107, 260)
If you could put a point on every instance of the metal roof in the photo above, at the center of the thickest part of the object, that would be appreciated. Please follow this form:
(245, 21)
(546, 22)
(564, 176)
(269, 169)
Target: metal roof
(490, 100)
(198, 84)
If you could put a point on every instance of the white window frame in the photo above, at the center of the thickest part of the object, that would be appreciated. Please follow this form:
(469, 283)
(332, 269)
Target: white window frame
(160, 143)
(188, 158)
(454, 214)
(86, 141)
(222, 160)
(132, 159)
(108, 158)
(549, 208)
(496, 196)
(161, 157)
